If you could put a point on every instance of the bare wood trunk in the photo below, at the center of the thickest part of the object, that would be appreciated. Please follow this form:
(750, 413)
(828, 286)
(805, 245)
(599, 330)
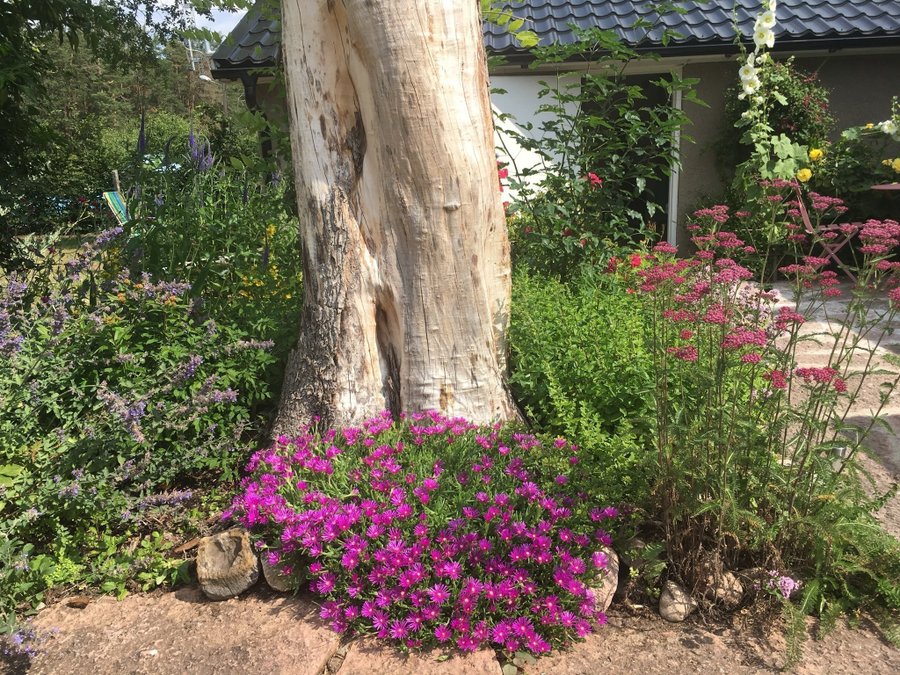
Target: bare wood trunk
(405, 254)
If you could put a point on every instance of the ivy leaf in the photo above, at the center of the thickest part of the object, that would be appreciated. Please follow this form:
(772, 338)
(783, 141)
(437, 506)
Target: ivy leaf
(527, 39)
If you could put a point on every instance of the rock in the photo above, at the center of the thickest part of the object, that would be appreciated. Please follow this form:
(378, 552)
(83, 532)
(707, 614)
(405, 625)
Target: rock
(633, 553)
(226, 564)
(675, 603)
(276, 580)
(78, 601)
(725, 589)
(603, 594)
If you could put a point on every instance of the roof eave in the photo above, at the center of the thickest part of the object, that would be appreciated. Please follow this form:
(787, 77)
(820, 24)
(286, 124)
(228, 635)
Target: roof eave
(784, 45)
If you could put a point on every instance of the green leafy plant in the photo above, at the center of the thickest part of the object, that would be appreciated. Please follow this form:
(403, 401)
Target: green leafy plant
(579, 369)
(120, 402)
(756, 456)
(601, 144)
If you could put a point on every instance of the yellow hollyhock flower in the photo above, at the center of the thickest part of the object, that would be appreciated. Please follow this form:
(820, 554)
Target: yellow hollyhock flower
(803, 175)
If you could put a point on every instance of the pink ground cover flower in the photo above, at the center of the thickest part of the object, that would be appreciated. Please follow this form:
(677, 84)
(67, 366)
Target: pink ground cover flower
(493, 542)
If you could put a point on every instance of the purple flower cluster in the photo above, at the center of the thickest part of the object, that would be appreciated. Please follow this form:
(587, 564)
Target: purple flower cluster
(201, 154)
(782, 584)
(129, 414)
(431, 530)
(165, 499)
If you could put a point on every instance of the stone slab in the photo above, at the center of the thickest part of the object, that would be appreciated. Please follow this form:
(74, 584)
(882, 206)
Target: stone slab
(370, 657)
(183, 632)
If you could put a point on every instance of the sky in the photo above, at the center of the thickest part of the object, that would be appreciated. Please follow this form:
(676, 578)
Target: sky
(221, 22)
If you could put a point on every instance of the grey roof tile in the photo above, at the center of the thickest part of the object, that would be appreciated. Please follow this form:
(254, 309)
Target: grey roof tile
(704, 26)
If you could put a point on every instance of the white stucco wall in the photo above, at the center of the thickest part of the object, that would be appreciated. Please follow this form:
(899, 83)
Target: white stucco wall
(521, 102)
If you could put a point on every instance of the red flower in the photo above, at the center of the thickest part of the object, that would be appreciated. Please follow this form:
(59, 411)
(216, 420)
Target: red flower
(635, 260)
(595, 180)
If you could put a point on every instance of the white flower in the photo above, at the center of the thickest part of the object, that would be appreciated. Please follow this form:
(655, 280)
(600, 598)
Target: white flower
(888, 127)
(747, 72)
(764, 36)
(750, 86)
(766, 20)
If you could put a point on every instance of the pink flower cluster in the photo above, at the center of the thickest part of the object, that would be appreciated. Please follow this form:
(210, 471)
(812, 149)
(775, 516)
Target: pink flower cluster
(432, 530)
(879, 236)
(814, 376)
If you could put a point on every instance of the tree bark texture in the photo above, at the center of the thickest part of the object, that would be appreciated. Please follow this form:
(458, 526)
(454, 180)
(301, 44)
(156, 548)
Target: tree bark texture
(405, 253)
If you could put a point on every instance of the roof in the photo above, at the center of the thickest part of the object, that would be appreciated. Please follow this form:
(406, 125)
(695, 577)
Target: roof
(704, 27)
(707, 27)
(253, 43)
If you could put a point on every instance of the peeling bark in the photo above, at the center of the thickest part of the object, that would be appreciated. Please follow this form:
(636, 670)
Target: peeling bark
(405, 254)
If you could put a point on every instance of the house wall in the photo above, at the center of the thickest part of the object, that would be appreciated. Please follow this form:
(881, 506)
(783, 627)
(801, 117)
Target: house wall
(520, 101)
(861, 88)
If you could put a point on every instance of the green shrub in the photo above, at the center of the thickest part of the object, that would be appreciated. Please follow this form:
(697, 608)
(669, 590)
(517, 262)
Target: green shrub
(226, 228)
(579, 369)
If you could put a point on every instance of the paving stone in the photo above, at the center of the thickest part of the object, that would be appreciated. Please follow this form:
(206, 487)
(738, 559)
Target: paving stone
(370, 657)
(186, 633)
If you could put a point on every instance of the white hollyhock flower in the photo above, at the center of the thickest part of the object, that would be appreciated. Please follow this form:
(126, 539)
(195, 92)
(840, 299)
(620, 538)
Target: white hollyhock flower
(764, 36)
(747, 72)
(888, 127)
(750, 86)
(766, 20)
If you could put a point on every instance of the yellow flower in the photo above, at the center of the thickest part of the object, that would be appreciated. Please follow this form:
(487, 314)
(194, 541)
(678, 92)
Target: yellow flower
(816, 154)
(895, 165)
(288, 296)
(887, 162)
(804, 175)
(869, 125)
(271, 230)
(120, 297)
(258, 282)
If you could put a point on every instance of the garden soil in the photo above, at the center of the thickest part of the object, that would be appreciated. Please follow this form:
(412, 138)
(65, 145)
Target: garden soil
(264, 632)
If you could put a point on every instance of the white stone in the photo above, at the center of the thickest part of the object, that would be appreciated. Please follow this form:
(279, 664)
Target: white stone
(675, 603)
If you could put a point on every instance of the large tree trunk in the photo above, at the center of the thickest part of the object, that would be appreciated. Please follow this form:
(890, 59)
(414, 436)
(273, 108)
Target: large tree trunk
(405, 254)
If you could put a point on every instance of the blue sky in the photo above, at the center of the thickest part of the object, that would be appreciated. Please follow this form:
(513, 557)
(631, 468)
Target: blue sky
(222, 22)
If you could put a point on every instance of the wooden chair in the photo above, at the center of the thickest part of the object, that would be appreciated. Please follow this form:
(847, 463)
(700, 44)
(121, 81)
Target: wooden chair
(832, 238)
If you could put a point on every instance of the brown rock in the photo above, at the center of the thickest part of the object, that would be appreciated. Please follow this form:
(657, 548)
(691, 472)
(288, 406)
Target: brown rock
(78, 601)
(370, 657)
(603, 594)
(725, 589)
(675, 603)
(226, 564)
(276, 580)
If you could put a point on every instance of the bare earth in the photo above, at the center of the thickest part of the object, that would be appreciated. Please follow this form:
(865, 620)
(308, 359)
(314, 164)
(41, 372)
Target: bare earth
(264, 632)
